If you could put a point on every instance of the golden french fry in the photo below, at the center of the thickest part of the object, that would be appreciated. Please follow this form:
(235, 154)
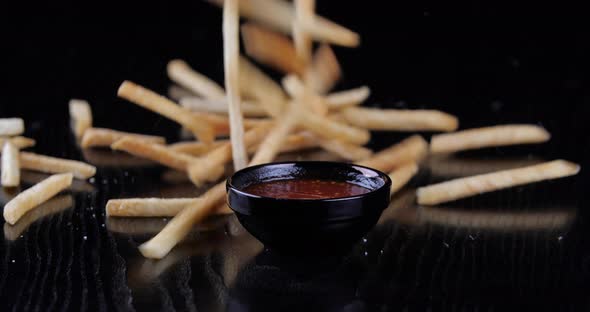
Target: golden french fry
(445, 166)
(488, 137)
(410, 149)
(270, 146)
(293, 143)
(154, 152)
(80, 116)
(325, 71)
(400, 119)
(270, 48)
(106, 137)
(249, 109)
(11, 126)
(19, 142)
(347, 98)
(78, 186)
(329, 129)
(10, 165)
(297, 90)
(196, 148)
(150, 100)
(304, 14)
(147, 207)
(344, 150)
(180, 72)
(280, 16)
(231, 69)
(36, 195)
(257, 85)
(474, 185)
(47, 164)
(50, 207)
(401, 175)
(176, 92)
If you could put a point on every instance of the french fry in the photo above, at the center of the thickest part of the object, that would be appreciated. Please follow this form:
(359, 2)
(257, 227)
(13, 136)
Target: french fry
(400, 119)
(445, 166)
(250, 109)
(345, 150)
(280, 15)
(11, 126)
(296, 89)
(80, 116)
(176, 92)
(474, 185)
(221, 124)
(304, 14)
(10, 165)
(181, 73)
(401, 175)
(196, 148)
(257, 85)
(347, 98)
(36, 195)
(47, 164)
(270, 48)
(272, 143)
(94, 137)
(293, 143)
(329, 129)
(150, 100)
(147, 207)
(78, 186)
(325, 70)
(488, 137)
(413, 148)
(231, 69)
(154, 152)
(50, 207)
(18, 141)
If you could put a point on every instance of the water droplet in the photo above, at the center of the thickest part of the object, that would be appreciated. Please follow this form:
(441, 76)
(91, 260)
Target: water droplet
(365, 240)
(13, 261)
(471, 237)
(85, 237)
(560, 238)
(22, 236)
(381, 251)
(366, 253)
(446, 245)
(92, 180)
(103, 225)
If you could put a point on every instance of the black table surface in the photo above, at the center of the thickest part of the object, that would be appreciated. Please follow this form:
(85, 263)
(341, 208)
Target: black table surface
(526, 248)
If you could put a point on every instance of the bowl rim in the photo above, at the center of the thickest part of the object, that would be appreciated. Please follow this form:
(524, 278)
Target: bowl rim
(384, 176)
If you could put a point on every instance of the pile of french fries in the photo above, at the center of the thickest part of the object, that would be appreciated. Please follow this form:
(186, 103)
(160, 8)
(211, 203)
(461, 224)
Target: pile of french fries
(264, 118)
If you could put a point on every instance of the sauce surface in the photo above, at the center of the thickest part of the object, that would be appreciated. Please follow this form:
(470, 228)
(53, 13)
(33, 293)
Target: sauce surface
(305, 189)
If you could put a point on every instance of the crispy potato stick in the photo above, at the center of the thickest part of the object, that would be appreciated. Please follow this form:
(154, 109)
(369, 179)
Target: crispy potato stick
(344, 150)
(10, 165)
(270, 48)
(47, 164)
(11, 126)
(106, 137)
(400, 119)
(211, 167)
(249, 109)
(147, 207)
(342, 99)
(474, 185)
(293, 143)
(325, 70)
(304, 14)
(231, 69)
(50, 207)
(181, 73)
(78, 186)
(221, 124)
(150, 100)
(401, 175)
(36, 195)
(410, 149)
(296, 89)
(154, 152)
(330, 129)
(196, 148)
(280, 16)
(257, 85)
(176, 92)
(270, 146)
(487, 137)
(19, 142)
(161, 244)
(80, 116)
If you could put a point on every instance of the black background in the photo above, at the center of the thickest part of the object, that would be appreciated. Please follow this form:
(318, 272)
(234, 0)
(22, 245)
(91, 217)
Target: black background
(485, 62)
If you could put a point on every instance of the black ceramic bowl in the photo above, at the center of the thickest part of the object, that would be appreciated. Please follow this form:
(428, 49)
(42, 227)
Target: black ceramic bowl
(309, 225)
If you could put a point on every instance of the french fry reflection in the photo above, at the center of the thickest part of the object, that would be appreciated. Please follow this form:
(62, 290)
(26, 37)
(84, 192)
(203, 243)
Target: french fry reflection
(451, 166)
(402, 209)
(108, 158)
(51, 207)
(151, 226)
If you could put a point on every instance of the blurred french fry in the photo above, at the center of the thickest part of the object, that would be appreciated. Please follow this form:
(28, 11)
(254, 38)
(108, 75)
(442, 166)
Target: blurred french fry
(36, 195)
(152, 101)
(147, 207)
(280, 15)
(32, 177)
(221, 124)
(324, 71)
(106, 137)
(11, 126)
(47, 164)
(250, 109)
(176, 93)
(10, 165)
(413, 148)
(488, 137)
(154, 152)
(80, 116)
(110, 158)
(400, 119)
(401, 175)
(196, 148)
(19, 142)
(272, 143)
(257, 85)
(345, 150)
(297, 90)
(293, 143)
(326, 128)
(474, 185)
(181, 73)
(270, 48)
(304, 14)
(347, 98)
(50, 207)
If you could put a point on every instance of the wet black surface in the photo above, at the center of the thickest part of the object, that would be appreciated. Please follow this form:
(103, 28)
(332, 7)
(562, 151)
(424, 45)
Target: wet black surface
(526, 248)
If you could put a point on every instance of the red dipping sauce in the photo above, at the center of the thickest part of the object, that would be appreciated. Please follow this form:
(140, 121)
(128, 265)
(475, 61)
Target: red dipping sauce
(305, 189)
